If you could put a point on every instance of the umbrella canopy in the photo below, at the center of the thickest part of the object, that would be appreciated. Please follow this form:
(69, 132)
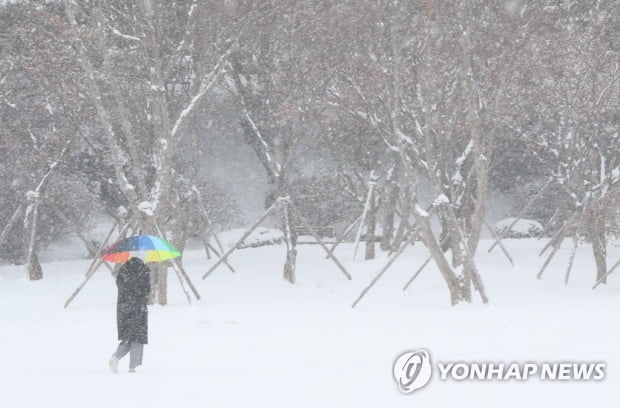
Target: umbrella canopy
(146, 247)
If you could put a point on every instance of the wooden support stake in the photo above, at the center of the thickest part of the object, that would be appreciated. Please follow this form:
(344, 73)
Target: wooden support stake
(525, 209)
(7, 228)
(555, 249)
(102, 247)
(417, 273)
(214, 235)
(66, 220)
(548, 224)
(206, 219)
(394, 255)
(204, 237)
(179, 270)
(343, 237)
(216, 252)
(557, 237)
(382, 271)
(247, 234)
(498, 241)
(187, 279)
(94, 266)
(305, 224)
(570, 261)
(609, 272)
(443, 241)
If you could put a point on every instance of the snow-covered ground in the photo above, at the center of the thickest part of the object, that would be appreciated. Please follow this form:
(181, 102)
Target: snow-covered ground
(254, 340)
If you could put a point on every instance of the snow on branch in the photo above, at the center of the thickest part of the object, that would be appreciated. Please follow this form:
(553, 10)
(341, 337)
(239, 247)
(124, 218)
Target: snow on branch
(418, 128)
(275, 165)
(440, 200)
(32, 195)
(146, 207)
(208, 81)
(124, 36)
(204, 88)
(465, 154)
(420, 212)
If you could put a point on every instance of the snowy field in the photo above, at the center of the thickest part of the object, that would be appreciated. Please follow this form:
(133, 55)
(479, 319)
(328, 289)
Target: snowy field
(254, 340)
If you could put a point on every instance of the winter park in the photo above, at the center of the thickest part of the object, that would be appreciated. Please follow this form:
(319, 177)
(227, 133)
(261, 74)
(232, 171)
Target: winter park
(315, 203)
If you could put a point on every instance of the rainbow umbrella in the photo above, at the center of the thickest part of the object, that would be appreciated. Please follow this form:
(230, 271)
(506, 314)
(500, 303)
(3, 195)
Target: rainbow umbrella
(146, 247)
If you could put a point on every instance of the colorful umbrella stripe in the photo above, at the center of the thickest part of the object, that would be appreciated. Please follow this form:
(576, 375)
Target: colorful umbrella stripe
(146, 247)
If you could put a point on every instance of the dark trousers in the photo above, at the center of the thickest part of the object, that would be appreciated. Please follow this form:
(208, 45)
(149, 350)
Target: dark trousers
(135, 351)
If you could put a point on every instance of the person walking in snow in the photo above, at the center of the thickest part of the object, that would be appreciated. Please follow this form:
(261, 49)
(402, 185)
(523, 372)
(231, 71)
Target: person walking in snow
(134, 285)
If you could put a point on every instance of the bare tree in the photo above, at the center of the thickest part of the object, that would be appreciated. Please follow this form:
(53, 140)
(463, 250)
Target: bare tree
(275, 98)
(147, 68)
(570, 86)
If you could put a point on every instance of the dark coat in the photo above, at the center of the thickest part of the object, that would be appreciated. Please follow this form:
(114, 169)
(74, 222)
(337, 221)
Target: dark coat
(134, 285)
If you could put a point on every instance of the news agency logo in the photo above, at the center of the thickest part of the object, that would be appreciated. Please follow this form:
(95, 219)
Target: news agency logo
(413, 370)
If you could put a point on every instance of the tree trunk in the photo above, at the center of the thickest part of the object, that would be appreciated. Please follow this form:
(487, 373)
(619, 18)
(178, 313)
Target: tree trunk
(599, 246)
(291, 244)
(453, 234)
(444, 267)
(162, 283)
(30, 230)
(446, 241)
(390, 208)
(35, 272)
(403, 226)
(371, 227)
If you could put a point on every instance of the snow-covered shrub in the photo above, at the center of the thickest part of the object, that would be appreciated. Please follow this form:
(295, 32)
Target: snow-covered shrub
(259, 237)
(521, 229)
